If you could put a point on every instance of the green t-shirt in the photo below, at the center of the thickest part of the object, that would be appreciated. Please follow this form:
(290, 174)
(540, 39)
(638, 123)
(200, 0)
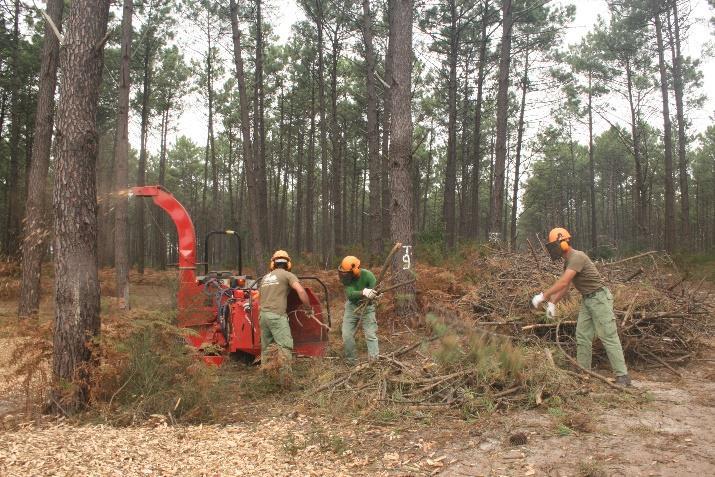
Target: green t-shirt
(353, 292)
(587, 279)
(274, 290)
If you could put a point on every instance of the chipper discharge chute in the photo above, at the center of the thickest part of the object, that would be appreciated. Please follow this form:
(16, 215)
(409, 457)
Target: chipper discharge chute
(223, 307)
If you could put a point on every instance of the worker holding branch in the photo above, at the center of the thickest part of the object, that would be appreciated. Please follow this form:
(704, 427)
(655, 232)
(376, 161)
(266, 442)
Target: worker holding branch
(596, 317)
(359, 286)
(274, 290)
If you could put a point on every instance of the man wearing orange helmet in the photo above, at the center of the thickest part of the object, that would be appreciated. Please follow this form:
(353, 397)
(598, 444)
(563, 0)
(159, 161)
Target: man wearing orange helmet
(596, 316)
(274, 290)
(359, 286)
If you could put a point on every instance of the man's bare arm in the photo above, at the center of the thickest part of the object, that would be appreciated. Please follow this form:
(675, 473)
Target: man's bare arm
(301, 293)
(559, 289)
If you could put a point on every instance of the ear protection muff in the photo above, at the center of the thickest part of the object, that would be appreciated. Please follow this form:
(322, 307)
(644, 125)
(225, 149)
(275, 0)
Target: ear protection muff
(564, 244)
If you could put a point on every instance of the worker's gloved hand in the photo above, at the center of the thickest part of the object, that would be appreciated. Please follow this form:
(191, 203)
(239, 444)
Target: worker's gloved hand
(537, 300)
(550, 311)
(369, 293)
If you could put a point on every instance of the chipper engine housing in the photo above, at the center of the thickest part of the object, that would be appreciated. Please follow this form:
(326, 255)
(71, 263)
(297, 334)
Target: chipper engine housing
(223, 307)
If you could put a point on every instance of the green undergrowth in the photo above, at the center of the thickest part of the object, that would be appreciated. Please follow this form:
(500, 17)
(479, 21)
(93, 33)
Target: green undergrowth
(148, 372)
(698, 266)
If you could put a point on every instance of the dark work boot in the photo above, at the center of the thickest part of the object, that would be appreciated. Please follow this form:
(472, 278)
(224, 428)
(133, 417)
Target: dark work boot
(624, 380)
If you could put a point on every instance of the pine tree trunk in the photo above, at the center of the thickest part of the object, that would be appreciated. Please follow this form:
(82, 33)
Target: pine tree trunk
(639, 192)
(259, 128)
(336, 170)
(450, 177)
(667, 142)
(141, 172)
(497, 200)
(250, 161)
(160, 220)
(386, 113)
(401, 151)
(216, 217)
(592, 165)
(298, 224)
(682, 124)
(373, 151)
(519, 140)
(12, 222)
(477, 162)
(75, 202)
(310, 174)
(121, 163)
(36, 233)
(324, 184)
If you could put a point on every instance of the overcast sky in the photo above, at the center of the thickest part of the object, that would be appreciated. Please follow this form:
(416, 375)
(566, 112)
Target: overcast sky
(282, 14)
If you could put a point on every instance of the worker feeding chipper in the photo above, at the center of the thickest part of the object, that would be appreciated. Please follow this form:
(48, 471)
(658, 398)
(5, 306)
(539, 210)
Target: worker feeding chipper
(359, 284)
(596, 318)
(274, 290)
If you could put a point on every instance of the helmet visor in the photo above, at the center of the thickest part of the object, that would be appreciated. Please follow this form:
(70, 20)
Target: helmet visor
(346, 278)
(554, 249)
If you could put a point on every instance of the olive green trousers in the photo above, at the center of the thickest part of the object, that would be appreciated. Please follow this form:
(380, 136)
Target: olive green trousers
(596, 319)
(369, 327)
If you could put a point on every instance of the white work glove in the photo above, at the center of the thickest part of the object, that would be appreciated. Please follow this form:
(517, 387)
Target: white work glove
(537, 300)
(550, 311)
(369, 293)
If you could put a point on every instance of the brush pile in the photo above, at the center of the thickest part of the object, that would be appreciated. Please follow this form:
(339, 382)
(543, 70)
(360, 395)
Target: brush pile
(466, 374)
(660, 315)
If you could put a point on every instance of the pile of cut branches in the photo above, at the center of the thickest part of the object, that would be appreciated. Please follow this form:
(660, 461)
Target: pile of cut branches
(661, 316)
(469, 374)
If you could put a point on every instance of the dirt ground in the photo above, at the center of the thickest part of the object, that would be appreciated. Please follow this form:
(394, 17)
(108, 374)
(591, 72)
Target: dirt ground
(669, 435)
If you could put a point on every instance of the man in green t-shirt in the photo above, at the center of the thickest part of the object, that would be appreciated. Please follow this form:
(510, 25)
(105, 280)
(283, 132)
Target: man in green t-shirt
(359, 286)
(596, 316)
(274, 290)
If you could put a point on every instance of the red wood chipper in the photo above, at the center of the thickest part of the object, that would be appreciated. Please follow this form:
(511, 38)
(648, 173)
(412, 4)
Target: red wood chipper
(222, 307)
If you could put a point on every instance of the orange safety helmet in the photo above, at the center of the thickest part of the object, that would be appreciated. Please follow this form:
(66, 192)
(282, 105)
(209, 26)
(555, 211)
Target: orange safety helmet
(280, 255)
(558, 237)
(350, 264)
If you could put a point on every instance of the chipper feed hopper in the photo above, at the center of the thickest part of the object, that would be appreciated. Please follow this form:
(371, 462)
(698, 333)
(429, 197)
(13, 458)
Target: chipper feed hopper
(222, 307)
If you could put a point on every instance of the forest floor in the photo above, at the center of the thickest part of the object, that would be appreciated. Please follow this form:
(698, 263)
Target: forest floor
(606, 433)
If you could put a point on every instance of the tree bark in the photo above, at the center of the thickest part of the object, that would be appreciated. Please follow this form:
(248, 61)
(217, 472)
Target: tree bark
(12, 222)
(386, 122)
(477, 162)
(160, 220)
(373, 151)
(325, 239)
(667, 141)
(450, 177)
(36, 233)
(75, 202)
(141, 172)
(310, 174)
(592, 164)
(682, 124)
(639, 192)
(121, 162)
(401, 151)
(497, 200)
(250, 161)
(519, 140)
(298, 223)
(259, 135)
(337, 166)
